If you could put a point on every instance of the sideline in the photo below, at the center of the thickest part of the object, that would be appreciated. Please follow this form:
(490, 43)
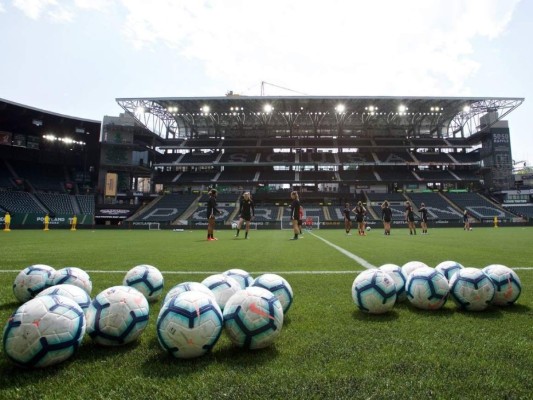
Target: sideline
(362, 262)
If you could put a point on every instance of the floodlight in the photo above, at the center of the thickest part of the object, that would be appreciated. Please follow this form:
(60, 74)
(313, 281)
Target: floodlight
(340, 108)
(268, 108)
(466, 109)
(205, 109)
(402, 109)
(139, 110)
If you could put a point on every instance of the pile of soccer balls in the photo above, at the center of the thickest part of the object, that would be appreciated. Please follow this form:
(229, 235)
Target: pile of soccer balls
(57, 311)
(377, 290)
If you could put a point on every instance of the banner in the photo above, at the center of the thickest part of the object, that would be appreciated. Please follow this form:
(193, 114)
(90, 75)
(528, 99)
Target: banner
(111, 184)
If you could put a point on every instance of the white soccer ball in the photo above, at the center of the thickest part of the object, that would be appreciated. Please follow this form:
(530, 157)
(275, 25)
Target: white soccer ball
(75, 293)
(448, 268)
(471, 289)
(241, 276)
(44, 331)
(411, 266)
(32, 280)
(146, 279)
(506, 283)
(187, 287)
(374, 291)
(223, 287)
(278, 286)
(427, 288)
(117, 316)
(368, 228)
(234, 225)
(395, 272)
(73, 276)
(189, 324)
(253, 318)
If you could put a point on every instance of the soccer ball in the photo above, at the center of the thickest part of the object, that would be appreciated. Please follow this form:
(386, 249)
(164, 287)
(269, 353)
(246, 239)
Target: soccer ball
(427, 288)
(471, 289)
(278, 286)
(189, 324)
(223, 287)
(31, 280)
(253, 318)
(44, 331)
(368, 228)
(187, 287)
(410, 266)
(117, 315)
(395, 272)
(506, 283)
(75, 293)
(234, 225)
(374, 291)
(73, 276)
(448, 268)
(241, 276)
(146, 279)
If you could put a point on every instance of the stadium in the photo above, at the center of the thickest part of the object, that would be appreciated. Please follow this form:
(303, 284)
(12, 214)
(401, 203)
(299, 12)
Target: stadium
(138, 185)
(152, 166)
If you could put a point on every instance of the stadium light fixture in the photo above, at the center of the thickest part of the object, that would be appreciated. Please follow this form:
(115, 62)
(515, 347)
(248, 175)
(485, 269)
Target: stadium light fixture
(340, 108)
(268, 108)
(139, 110)
(466, 109)
(402, 109)
(205, 109)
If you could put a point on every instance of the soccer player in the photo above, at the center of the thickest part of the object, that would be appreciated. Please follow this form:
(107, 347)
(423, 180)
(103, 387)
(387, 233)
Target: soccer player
(295, 213)
(466, 220)
(347, 220)
(46, 222)
(73, 223)
(386, 217)
(212, 210)
(7, 222)
(300, 219)
(410, 218)
(246, 213)
(360, 212)
(424, 222)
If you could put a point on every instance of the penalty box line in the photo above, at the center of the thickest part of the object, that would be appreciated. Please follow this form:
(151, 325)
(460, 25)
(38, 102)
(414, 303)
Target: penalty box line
(362, 262)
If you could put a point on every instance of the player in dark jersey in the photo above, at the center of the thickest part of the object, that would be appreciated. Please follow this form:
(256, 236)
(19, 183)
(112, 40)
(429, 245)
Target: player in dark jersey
(424, 216)
(347, 220)
(295, 213)
(410, 218)
(386, 217)
(212, 211)
(466, 220)
(360, 212)
(246, 213)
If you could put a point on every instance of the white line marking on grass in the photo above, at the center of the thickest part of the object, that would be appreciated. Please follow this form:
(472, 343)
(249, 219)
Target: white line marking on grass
(357, 259)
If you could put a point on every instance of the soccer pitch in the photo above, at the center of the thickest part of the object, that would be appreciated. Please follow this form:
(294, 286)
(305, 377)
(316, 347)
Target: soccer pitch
(327, 348)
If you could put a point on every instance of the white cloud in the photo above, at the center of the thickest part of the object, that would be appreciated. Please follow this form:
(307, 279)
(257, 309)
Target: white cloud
(2, 9)
(336, 47)
(34, 8)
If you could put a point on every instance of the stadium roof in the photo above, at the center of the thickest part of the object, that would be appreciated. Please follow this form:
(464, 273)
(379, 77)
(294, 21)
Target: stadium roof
(313, 116)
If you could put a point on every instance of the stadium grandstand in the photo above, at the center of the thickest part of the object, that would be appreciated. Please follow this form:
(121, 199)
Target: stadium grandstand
(154, 163)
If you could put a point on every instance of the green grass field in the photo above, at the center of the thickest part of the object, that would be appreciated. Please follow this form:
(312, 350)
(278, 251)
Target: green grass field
(327, 348)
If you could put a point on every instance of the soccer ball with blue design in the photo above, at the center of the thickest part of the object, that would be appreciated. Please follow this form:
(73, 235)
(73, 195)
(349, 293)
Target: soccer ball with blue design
(187, 287)
(223, 287)
(32, 280)
(117, 316)
(73, 276)
(427, 288)
(189, 324)
(147, 279)
(506, 283)
(241, 276)
(395, 272)
(75, 293)
(411, 266)
(44, 331)
(278, 286)
(374, 291)
(471, 289)
(253, 318)
(448, 268)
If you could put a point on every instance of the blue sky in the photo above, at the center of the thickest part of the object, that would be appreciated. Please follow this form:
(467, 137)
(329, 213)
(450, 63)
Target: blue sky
(75, 57)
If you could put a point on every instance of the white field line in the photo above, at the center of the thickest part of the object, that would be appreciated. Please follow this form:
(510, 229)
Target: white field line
(362, 262)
